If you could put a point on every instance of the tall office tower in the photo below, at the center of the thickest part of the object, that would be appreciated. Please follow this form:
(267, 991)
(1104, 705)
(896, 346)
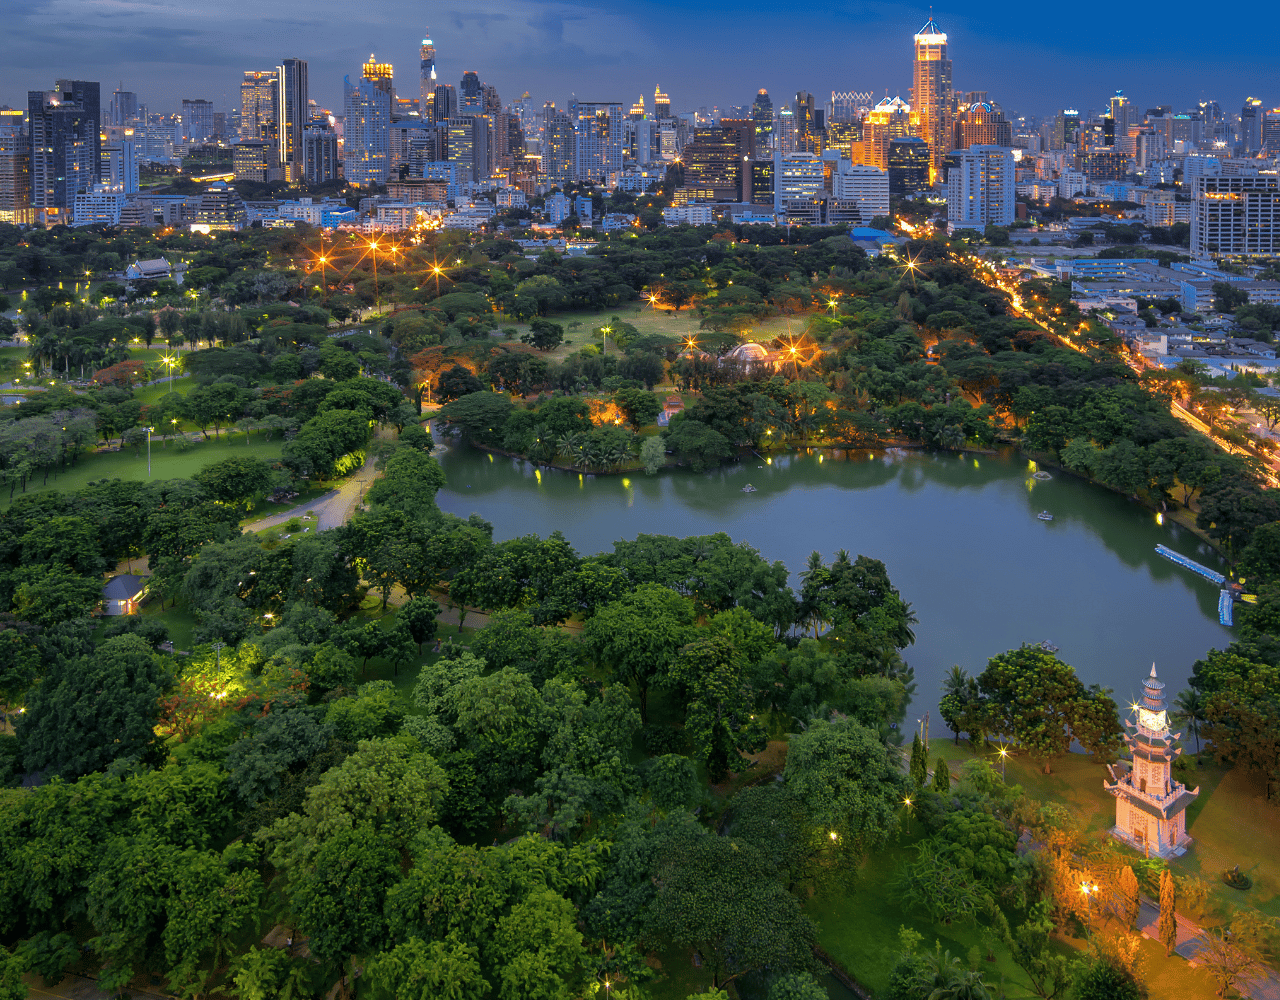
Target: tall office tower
(558, 146)
(1251, 127)
(931, 93)
(908, 158)
(294, 108)
(470, 94)
(980, 188)
(259, 107)
(492, 102)
(1271, 132)
(713, 160)
(320, 161)
(1214, 121)
(381, 76)
(762, 115)
(797, 177)
(427, 77)
(806, 127)
(637, 109)
(197, 121)
(124, 108)
(366, 135)
(661, 104)
(444, 104)
(15, 177)
(982, 124)
(1235, 215)
(469, 147)
(1066, 125)
(597, 127)
(120, 166)
(65, 146)
(890, 119)
(784, 131)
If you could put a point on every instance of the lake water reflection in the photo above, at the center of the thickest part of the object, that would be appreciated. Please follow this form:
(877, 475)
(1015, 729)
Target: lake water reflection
(958, 534)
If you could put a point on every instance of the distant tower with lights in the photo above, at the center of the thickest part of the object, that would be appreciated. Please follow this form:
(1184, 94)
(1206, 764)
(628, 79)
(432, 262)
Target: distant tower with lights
(1151, 808)
(931, 95)
(427, 85)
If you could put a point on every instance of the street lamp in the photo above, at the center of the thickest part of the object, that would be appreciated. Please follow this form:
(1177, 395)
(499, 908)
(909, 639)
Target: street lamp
(1004, 755)
(907, 803)
(1088, 888)
(150, 431)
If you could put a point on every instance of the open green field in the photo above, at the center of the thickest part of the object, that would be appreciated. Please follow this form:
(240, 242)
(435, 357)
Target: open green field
(167, 462)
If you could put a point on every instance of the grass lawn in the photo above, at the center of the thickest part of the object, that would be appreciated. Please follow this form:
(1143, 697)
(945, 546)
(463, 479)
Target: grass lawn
(166, 462)
(150, 393)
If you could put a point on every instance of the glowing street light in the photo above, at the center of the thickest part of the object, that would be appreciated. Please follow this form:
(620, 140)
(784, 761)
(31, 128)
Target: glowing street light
(1004, 755)
(1088, 889)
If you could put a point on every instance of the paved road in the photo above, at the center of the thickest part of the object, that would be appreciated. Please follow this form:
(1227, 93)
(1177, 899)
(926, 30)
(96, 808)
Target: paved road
(1190, 943)
(331, 510)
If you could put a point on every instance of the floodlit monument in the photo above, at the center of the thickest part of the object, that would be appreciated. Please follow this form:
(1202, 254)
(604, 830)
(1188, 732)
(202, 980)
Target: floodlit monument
(1151, 807)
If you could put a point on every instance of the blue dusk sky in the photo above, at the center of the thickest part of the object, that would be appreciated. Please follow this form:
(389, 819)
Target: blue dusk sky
(1032, 58)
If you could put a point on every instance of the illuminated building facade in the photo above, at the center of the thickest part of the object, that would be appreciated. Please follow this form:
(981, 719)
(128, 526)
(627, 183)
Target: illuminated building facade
(254, 161)
(637, 109)
(558, 143)
(909, 162)
(598, 139)
(761, 174)
(469, 146)
(982, 124)
(366, 135)
(1251, 127)
(661, 104)
(15, 177)
(221, 208)
(797, 177)
(713, 159)
(470, 94)
(65, 146)
(863, 187)
(444, 103)
(259, 107)
(762, 115)
(980, 188)
(890, 119)
(1151, 806)
(294, 108)
(120, 166)
(1066, 123)
(849, 106)
(320, 159)
(1233, 216)
(427, 78)
(931, 93)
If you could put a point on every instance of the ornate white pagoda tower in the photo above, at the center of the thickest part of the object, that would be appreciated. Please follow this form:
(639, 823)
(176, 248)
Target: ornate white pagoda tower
(1150, 806)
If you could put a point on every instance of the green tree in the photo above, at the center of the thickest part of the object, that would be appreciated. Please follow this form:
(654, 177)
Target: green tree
(843, 776)
(50, 595)
(1167, 930)
(697, 445)
(718, 716)
(797, 986)
(1032, 698)
(91, 710)
(420, 616)
(235, 480)
(941, 777)
(1130, 905)
(638, 636)
(435, 970)
(1103, 979)
(653, 453)
(919, 763)
(544, 335)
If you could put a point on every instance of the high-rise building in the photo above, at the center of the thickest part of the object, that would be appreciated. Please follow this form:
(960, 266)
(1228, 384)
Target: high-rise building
(557, 145)
(1271, 132)
(254, 161)
(931, 93)
(470, 94)
(982, 124)
(849, 105)
(65, 146)
(661, 104)
(1233, 216)
(761, 181)
(805, 124)
(15, 176)
(863, 187)
(890, 119)
(598, 139)
(637, 109)
(260, 107)
(469, 142)
(120, 166)
(427, 77)
(444, 103)
(381, 76)
(124, 108)
(1066, 125)
(980, 188)
(366, 130)
(197, 121)
(1251, 127)
(294, 108)
(797, 177)
(762, 115)
(908, 165)
(713, 160)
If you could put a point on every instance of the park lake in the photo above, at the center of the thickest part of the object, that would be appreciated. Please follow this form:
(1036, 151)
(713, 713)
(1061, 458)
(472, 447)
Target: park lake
(958, 534)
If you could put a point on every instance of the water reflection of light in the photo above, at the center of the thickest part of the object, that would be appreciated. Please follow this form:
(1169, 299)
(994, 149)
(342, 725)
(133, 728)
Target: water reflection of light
(537, 474)
(582, 483)
(819, 458)
(631, 494)
(1159, 518)
(490, 454)
(975, 464)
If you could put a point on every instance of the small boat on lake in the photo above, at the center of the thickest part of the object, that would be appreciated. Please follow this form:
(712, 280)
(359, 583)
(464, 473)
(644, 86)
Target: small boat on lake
(1044, 515)
(748, 488)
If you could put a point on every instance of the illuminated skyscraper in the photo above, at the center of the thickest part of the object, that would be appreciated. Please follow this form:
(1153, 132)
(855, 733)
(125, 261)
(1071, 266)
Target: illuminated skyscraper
(931, 93)
(259, 107)
(444, 104)
(293, 106)
(470, 94)
(197, 120)
(1251, 127)
(124, 108)
(381, 75)
(982, 124)
(598, 139)
(367, 131)
(762, 115)
(661, 104)
(65, 146)
(427, 83)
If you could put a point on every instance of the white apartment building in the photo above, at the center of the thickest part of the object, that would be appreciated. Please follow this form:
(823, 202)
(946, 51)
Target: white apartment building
(865, 186)
(693, 214)
(99, 206)
(796, 176)
(980, 188)
(1233, 216)
(1072, 183)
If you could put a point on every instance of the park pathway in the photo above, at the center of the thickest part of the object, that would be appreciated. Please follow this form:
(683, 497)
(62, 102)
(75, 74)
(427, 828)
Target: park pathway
(333, 509)
(1190, 943)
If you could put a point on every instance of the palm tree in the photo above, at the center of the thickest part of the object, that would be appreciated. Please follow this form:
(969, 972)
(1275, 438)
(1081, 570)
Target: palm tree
(1189, 708)
(956, 681)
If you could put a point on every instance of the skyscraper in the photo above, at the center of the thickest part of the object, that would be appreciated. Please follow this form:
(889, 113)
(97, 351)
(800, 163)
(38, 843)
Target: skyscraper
(259, 107)
(1251, 127)
(980, 188)
(124, 108)
(15, 176)
(557, 145)
(598, 138)
(366, 145)
(293, 106)
(470, 94)
(65, 146)
(469, 147)
(197, 121)
(444, 103)
(762, 115)
(427, 78)
(982, 124)
(381, 76)
(931, 93)
(661, 104)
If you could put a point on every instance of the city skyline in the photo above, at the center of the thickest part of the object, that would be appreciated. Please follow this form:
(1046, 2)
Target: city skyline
(553, 50)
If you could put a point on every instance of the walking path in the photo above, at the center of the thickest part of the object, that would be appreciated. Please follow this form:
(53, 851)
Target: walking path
(1191, 943)
(333, 509)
